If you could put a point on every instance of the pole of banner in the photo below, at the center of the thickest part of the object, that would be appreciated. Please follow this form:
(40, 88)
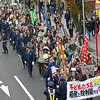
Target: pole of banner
(96, 33)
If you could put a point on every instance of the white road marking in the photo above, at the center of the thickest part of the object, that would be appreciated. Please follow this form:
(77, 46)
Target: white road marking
(5, 89)
(1, 82)
(23, 87)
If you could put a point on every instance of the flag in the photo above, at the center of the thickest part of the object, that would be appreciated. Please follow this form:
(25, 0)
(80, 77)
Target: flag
(61, 52)
(32, 17)
(59, 45)
(84, 49)
(43, 11)
(58, 56)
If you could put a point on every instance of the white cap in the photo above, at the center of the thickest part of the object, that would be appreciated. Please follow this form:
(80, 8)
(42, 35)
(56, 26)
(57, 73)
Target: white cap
(73, 69)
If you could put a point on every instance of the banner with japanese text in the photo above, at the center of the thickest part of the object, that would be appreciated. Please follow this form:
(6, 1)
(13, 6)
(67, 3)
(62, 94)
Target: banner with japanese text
(82, 90)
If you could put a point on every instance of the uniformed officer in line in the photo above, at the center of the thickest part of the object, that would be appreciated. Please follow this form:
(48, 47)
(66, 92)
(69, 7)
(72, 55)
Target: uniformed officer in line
(17, 40)
(47, 73)
(4, 41)
(22, 49)
(63, 89)
(29, 59)
(14, 38)
(57, 77)
(20, 39)
(51, 92)
(10, 35)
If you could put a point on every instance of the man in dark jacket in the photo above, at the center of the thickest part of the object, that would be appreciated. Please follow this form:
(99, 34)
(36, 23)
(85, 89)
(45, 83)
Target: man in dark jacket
(87, 76)
(29, 58)
(51, 92)
(47, 74)
(67, 17)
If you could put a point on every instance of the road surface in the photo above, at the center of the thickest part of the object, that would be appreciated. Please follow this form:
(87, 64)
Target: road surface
(10, 66)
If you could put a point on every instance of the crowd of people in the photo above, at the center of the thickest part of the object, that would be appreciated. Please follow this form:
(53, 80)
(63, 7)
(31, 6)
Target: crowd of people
(38, 44)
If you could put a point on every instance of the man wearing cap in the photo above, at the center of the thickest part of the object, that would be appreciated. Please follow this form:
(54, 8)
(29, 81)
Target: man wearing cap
(47, 73)
(73, 76)
(53, 63)
(51, 92)
(57, 77)
(63, 89)
(4, 41)
(29, 60)
(22, 49)
(14, 38)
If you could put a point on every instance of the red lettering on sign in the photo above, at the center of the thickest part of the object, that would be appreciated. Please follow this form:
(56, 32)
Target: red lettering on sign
(79, 87)
(87, 85)
(91, 84)
(83, 86)
(71, 86)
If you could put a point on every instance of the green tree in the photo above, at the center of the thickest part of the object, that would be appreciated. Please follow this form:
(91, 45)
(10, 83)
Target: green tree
(76, 11)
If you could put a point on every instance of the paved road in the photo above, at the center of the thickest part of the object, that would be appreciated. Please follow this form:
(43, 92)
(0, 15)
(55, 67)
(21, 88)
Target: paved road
(92, 44)
(10, 66)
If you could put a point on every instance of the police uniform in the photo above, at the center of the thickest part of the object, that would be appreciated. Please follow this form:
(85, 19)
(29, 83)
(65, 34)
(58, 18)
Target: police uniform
(63, 89)
(14, 40)
(30, 58)
(51, 92)
(4, 41)
(19, 40)
(47, 75)
(22, 50)
(56, 78)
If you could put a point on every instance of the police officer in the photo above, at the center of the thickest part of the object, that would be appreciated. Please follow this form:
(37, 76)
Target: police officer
(51, 92)
(63, 89)
(14, 38)
(29, 60)
(57, 77)
(22, 49)
(20, 39)
(47, 73)
(4, 41)
(11, 35)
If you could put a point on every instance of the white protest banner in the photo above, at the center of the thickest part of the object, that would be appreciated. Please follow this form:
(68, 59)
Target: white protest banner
(82, 90)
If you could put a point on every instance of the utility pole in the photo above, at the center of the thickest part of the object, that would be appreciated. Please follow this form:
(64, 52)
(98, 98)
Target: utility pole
(83, 16)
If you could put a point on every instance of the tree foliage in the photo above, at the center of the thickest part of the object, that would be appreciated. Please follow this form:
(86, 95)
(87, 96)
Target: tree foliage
(76, 9)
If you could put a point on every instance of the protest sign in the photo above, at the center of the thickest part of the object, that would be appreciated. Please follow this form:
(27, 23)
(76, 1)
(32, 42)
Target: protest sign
(53, 68)
(82, 90)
